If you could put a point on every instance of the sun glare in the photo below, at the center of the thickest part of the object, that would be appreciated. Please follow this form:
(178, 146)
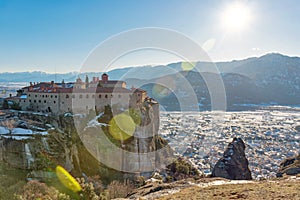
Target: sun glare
(236, 17)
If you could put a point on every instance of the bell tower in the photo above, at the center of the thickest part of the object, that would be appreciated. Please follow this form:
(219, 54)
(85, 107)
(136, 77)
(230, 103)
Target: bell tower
(104, 77)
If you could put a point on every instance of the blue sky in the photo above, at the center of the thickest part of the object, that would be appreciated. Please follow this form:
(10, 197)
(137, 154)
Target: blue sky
(57, 35)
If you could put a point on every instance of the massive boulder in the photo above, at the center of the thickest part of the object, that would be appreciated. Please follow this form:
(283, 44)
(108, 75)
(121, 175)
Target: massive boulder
(290, 166)
(234, 164)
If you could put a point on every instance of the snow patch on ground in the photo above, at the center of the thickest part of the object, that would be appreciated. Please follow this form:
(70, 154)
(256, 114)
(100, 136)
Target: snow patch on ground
(3, 130)
(94, 122)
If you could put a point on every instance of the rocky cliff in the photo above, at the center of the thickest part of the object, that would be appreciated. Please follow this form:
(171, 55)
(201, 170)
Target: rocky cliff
(82, 148)
(290, 166)
(234, 164)
(138, 153)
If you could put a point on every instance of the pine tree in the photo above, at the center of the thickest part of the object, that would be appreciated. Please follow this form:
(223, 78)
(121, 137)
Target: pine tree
(5, 104)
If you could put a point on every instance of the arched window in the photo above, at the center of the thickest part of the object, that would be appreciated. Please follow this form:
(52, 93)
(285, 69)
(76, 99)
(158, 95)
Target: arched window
(106, 96)
(99, 96)
(67, 96)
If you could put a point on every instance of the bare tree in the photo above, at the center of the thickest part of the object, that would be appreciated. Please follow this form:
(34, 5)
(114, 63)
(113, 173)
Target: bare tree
(10, 124)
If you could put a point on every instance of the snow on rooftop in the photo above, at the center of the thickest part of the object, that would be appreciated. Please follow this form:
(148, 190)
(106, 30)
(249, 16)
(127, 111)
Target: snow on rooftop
(3, 130)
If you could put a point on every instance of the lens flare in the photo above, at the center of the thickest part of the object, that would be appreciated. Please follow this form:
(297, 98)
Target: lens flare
(187, 66)
(122, 126)
(136, 115)
(160, 91)
(209, 44)
(67, 179)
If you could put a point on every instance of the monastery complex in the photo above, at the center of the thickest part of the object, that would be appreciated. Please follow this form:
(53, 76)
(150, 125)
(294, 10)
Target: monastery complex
(78, 97)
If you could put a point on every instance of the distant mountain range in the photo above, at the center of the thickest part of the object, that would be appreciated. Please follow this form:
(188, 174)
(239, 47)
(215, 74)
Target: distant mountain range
(269, 79)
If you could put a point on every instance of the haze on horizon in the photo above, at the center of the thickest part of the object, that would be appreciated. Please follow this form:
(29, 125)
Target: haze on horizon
(57, 36)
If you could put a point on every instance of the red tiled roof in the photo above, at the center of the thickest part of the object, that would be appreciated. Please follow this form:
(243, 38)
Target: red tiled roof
(111, 82)
(88, 90)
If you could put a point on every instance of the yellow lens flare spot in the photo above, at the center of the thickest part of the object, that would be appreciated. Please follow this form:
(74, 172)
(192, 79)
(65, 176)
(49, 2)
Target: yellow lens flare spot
(187, 66)
(136, 115)
(160, 91)
(67, 179)
(122, 126)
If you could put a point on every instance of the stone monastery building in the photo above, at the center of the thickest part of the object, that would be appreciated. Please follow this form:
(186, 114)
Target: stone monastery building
(78, 97)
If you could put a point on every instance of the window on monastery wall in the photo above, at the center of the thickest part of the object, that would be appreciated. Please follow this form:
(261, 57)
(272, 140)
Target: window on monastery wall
(34, 101)
(40, 101)
(80, 96)
(29, 95)
(55, 96)
(67, 96)
(111, 95)
(87, 96)
(99, 96)
(93, 96)
(54, 102)
(106, 96)
(43, 96)
(45, 101)
(35, 95)
(24, 101)
(51, 96)
(29, 100)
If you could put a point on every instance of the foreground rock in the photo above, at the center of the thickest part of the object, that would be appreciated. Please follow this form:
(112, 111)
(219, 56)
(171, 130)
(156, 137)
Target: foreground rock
(234, 164)
(290, 166)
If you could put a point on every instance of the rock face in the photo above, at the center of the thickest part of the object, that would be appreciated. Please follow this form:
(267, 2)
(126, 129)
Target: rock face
(90, 149)
(142, 153)
(234, 164)
(290, 166)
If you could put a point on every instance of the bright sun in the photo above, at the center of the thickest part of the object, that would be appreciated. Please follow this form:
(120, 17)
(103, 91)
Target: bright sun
(236, 16)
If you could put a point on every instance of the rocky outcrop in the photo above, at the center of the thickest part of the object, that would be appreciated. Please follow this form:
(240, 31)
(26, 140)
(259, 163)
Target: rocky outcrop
(141, 153)
(90, 149)
(234, 164)
(297, 128)
(290, 166)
